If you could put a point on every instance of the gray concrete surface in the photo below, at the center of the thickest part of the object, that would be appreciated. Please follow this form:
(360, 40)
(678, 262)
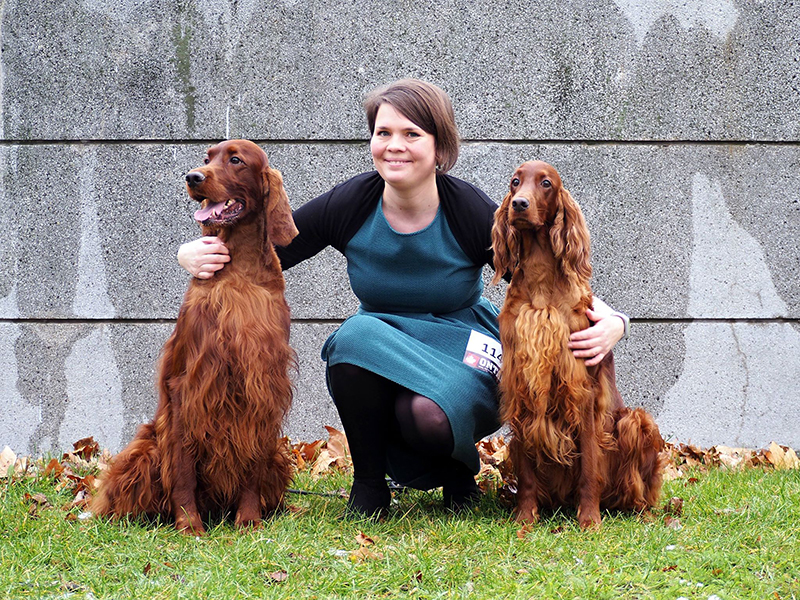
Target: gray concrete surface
(674, 124)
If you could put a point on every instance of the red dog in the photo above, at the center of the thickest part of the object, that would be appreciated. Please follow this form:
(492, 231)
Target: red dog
(573, 442)
(224, 390)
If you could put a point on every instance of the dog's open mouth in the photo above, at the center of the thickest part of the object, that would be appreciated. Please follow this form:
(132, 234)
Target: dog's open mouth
(218, 212)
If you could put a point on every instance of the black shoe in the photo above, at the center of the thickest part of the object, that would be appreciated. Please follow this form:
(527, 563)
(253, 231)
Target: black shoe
(368, 499)
(461, 492)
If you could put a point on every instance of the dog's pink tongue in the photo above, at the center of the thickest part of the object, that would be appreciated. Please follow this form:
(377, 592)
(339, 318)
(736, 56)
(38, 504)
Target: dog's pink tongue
(204, 213)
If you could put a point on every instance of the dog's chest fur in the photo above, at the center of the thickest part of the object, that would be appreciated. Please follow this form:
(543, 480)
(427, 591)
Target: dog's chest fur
(236, 319)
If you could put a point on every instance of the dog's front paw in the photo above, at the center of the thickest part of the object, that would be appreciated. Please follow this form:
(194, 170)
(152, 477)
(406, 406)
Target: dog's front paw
(190, 524)
(246, 523)
(589, 519)
(526, 515)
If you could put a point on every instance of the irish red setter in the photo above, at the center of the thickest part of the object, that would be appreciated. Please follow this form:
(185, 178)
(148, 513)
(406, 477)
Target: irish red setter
(215, 444)
(573, 442)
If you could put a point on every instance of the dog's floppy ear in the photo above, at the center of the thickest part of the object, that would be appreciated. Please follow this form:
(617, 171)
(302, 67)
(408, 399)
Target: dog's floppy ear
(569, 237)
(280, 225)
(504, 242)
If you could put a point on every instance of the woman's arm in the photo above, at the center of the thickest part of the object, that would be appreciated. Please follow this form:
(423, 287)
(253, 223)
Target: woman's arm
(328, 220)
(595, 342)
(205, 256)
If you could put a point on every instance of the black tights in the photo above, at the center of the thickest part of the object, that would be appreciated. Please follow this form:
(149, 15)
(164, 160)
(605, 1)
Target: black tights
(374, 409)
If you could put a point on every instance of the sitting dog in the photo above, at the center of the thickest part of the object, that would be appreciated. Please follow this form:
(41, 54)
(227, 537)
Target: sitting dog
(215, 444)
(573, 442)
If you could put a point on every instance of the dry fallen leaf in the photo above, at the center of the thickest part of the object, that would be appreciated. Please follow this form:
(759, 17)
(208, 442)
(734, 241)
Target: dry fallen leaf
(731, 511)
(731, 458)
(38, 500)
(672, 472)
(86, 448)
(36, 503)
(81, 500)
(323, 463)
(364, 540)
(305, 453)
(674, 506)
(524, 530)
(364, 553)
(7, 461)
(337, 446)
(54, 468)
(278, 576)
(299, 461)
(782, 457)
(493, 451)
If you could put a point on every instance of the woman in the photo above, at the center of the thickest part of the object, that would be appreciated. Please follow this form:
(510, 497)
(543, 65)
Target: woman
(412, 373)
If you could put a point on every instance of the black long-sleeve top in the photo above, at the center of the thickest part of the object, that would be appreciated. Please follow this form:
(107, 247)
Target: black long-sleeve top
(333, 218)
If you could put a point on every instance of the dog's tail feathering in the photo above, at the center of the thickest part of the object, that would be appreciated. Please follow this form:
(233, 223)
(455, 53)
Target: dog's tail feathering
(132, 486)
(639, 461)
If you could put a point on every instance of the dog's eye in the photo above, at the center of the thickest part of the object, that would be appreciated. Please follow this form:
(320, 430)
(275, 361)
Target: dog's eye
(546, 183)
(205, 160)
(515, 182)
(235, 160)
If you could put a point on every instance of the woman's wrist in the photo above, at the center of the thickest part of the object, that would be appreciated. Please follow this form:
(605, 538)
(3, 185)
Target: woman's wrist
(182, 258)
(626, 322)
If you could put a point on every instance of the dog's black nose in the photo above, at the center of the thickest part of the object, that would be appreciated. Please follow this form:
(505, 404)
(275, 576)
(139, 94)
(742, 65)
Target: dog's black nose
(520, 204)
(194, 178)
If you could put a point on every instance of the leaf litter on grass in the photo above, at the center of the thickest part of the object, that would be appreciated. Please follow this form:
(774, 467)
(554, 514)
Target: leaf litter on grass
(77, 470)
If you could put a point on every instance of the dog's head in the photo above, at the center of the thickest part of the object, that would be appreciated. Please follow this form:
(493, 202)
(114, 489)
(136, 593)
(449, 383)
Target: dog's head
(537, 200)
(236, 184)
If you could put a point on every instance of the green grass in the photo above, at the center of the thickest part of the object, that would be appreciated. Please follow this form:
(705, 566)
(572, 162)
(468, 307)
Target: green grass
(739, 538)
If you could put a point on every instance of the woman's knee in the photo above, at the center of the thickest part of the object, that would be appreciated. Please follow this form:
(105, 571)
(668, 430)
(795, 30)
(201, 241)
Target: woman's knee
(423, 423)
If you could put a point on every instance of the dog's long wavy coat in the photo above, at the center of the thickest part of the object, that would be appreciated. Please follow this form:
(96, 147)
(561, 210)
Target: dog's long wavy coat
(573, 441)
(215, 443)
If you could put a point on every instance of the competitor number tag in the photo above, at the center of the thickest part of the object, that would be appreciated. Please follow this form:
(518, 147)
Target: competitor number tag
(484, 353)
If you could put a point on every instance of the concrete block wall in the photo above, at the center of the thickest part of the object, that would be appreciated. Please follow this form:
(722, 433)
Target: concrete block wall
(674, 124)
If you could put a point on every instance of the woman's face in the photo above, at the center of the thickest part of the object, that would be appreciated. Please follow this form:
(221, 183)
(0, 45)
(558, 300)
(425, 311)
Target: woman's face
(404, 154)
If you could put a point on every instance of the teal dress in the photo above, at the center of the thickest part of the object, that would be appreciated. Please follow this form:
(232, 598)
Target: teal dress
(424, 325)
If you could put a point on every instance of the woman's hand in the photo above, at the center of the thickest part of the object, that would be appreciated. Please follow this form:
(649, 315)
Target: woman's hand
(596, 342)
(203, 257)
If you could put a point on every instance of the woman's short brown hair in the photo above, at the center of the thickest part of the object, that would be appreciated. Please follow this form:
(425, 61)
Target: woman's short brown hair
(426, 105)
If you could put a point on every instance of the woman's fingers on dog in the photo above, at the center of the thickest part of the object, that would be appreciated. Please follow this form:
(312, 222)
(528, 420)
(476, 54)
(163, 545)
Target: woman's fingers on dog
(596, 360)
(605, 333)
(204, 256)
(592, 354)
(213, 245)
(212, 264)
(585, 338)
(590, 344)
